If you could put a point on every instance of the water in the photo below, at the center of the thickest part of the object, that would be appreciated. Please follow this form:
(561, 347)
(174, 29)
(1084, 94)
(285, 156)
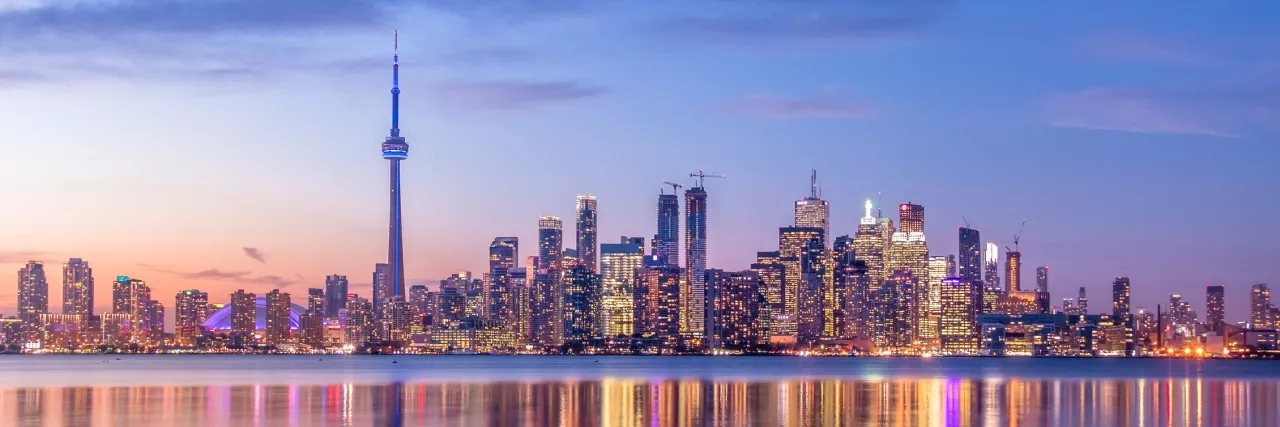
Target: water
(209, 390)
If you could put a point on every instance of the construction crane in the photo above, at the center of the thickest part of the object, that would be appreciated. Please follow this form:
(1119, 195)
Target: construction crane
(966, 222)
(702, 176)
(675, 188)
(1019, 235)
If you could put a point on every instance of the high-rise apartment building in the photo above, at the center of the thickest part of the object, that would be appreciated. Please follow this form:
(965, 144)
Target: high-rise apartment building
(1120, 297)
(618, 265)
(33, 298)
(360, 324)
(772, 274)
(382, 287)
(77, 288)
(656, 297)
(959, 330)
(190, 308)
(897, 305)
(277, 328)
(1012, 271)
(1260, 307)
(869, 245)
(546, 319)
(504, 252)
(991, 266)
(335, 295)
(812, 211)
(550, 242)
(666, 244)
(130, 296)
(970, 266)
(244, 314)
(1042, 279)
(739, 318)
(586, 231)
(1082, 303)
(1215, 308)
(581, 305)
(315, 302)
(695, 232)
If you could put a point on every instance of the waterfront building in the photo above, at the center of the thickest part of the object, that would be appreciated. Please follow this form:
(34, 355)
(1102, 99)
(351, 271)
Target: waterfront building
(335, 295)
(77, 288)
(618, 265)
(586, 230)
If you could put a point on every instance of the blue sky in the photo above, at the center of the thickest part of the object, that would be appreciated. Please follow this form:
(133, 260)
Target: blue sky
(161, 138)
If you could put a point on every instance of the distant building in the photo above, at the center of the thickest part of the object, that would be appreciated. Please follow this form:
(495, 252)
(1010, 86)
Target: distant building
(1215, 308)
(77, 288)
(739, 315)
(618, 265)
(991, 266)
(961, 302)
(335, 295)
(870, 243)
(581, 305)
(550, 242)
(970, 265)
(695, 243)
(315, 302)
(33, 298)
(1260, 307)
(278, 304)
(383, 286)
(190, 309)
(666, 244)
(360, 323)
(1012, 271)
(587, 230)
(812, 211)
(244, 312)
(656, 309)
(504, 252)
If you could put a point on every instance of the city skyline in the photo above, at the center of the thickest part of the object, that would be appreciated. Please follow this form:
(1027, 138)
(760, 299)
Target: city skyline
(307, 205)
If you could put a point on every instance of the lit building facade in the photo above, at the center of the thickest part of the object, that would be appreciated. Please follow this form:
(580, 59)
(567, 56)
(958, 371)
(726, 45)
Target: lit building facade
(991, 266)
(1012, 271)
(812, 211)
(77, 288)
(910, 218)
(504, 252)
(550, 242)
(656, 309)
(618, 265)
(33, 298)
(244, 313)
(970, 259)
(587, 230)
(278, 304)
(315, 301)
(190, 309)
(695, 288)
(360, 324)
(666, 244)
(737, 310)
(1260, 307)
(961, 301)
(802, 282)
(582, 305)
(1215, 308)
(335, 295)
(869, 245)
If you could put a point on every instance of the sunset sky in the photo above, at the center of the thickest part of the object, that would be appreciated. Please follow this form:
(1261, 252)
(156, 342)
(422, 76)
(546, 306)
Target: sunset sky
(225, 144)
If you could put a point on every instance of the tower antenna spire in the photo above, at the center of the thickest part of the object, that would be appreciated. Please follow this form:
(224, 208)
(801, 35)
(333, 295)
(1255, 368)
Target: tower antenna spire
(395, 86)
(813, 184)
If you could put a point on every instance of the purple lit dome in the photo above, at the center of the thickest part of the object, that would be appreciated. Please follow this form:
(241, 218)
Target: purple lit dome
(221, 319)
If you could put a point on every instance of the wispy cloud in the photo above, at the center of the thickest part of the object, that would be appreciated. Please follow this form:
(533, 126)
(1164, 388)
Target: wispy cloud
(256, 254)
(813, 106)
(1127, 47)
(1217, 111)
(808, 23)
(511, 95)
(10, 257)
(245, 277)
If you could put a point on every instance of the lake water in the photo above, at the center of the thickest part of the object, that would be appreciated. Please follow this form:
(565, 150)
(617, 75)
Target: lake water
(219, 390)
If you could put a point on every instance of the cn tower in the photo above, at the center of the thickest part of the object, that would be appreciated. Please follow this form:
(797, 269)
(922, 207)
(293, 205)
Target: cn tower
(395, 149)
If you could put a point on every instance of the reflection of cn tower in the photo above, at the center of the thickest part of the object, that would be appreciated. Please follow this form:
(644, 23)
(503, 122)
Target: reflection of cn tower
(395, 149)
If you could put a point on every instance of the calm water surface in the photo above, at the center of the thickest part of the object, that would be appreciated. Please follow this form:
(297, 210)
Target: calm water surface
(631, 391)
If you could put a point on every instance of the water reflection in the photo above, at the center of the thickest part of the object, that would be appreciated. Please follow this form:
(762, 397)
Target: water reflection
(626, 402)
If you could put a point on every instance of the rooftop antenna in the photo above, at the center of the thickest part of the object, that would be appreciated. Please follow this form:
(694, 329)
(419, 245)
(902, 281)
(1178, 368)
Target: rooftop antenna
(395, 87)
(879, 208)
(813, 184)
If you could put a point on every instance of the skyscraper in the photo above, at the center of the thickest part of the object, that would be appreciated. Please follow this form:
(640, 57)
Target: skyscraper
(1042, 279)
(666, 244)
(277, 330)
(190, 308)
(970, 255)
(695, 247)
(395, 149)
(244, 314)
(869, 245)
(1215, 300)
(359, 327)
(335, 295)
(33, 297)
(1012, 271)
(581, 305)
(315, 302)
(586, 230)
(656, 297)
(737, 310)
(910, 218)
(812, 211)
(550, 242)
(618, 264)
(1082, 303)
(961, 300)
(77, 288)
(1260, 307)
(991, 266)
(504, 252)
(1120, 297)
(382, 287)
(131, 297)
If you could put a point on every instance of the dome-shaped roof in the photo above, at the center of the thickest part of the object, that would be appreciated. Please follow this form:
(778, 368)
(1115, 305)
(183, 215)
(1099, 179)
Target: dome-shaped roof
(221, 319)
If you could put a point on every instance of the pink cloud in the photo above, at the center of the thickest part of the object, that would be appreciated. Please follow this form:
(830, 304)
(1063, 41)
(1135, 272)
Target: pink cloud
(814, 106)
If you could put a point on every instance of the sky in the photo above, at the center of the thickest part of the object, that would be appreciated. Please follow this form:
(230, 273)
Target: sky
(227, 144)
